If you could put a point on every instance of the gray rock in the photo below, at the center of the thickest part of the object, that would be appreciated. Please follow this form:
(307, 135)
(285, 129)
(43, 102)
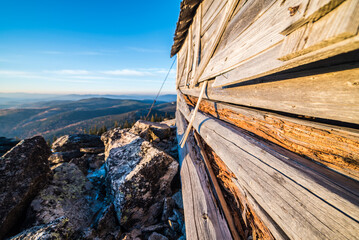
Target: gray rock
(61, 157)
(112, 138)
(168, 206)
(93, 150)
(139, 176)
(151, 130)
(105, 225)
(170, 122)
(57, 229)
(177, 197)
(96, 160)
(66, 195)
(75, 142)
(157, 236)
(24, 171)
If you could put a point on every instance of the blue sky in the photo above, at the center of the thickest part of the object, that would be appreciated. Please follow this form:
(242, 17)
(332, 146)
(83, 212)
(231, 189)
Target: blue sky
(79, 46)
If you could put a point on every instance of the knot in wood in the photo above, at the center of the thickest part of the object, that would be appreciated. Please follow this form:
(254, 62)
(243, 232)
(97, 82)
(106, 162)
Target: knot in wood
(293, 10)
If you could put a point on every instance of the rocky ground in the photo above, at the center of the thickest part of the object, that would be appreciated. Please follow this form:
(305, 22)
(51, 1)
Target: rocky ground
(124, 185)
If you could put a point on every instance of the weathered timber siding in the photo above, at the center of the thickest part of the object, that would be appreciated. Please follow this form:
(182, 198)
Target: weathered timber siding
(335, 148)
(294, 197)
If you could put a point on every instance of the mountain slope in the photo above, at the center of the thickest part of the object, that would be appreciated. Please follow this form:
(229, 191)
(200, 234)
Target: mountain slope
(58, 118)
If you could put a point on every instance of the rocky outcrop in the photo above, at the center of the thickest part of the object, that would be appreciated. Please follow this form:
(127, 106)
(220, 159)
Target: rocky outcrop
(57, 229)
(61, 157)
(24, 171)
(66, 195)
(140, 178)
(128, 195)
(86, 151)
(151, 130)
(112, 138)
(75, 142)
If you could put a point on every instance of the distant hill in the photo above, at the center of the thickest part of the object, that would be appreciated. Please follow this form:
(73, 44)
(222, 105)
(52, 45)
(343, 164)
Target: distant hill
(28, 100)
(59, 117)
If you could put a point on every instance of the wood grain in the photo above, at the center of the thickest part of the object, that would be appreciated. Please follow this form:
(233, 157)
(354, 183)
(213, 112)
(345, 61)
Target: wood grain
(262, 34)
(202, 217)
(333, 94)
(339, 24)
(335, 147)
(303, 202)
(314, 11)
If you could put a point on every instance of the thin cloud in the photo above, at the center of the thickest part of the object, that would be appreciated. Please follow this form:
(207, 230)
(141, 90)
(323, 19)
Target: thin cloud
(69, 72)
(13, 73)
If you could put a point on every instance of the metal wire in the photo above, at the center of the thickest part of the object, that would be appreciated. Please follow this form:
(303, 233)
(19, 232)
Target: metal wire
(159, 91)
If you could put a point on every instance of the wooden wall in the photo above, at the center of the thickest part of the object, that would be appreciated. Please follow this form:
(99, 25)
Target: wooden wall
(281, 109)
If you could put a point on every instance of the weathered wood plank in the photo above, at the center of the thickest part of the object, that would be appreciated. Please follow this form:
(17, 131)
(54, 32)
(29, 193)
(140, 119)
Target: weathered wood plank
(244, 16)
(239, 201)
(315, 10)
(262, 34)
(189, 55)
(182, 62)
(333, 95)
(229, 10)
(337, 148)
(207, 37)
(202, 217)
(304, 203)
(340, 24)
(235, 232)
(211, 13)
(197, 39)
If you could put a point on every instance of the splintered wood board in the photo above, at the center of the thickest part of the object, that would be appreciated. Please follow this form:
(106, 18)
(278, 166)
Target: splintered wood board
(302, 202)
(335, 147)
(203, 218)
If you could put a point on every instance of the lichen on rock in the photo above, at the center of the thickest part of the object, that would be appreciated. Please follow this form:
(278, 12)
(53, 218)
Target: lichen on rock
(140, 178)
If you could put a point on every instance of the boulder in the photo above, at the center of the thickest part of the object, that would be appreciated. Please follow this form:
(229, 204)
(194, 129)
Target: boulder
(24, 171)
(75, 142)
(93, 150)
(96, 160)
(140, 178)
(105, 225)
(66, 195)
(82, 163)
(112, 138)
(171, 123)
(157, 236)
(177, 197)
(57, 229)
(61, 157)
(151, 130)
